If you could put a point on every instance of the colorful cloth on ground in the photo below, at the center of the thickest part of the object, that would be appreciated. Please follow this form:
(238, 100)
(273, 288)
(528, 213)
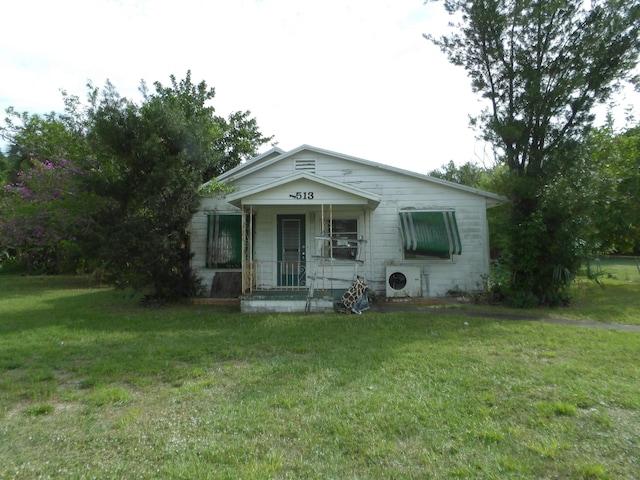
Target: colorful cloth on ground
(352, 301)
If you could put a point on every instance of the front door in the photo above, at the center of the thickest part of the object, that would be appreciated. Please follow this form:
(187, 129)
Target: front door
(291, 251)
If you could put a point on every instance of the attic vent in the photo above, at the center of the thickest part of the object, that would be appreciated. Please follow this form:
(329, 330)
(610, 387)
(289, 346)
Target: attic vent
(305, 165)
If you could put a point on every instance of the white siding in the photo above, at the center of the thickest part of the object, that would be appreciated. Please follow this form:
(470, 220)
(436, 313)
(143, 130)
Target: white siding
(380, 227)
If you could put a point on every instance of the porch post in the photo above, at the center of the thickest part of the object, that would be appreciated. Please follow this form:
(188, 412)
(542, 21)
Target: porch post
(247, 249)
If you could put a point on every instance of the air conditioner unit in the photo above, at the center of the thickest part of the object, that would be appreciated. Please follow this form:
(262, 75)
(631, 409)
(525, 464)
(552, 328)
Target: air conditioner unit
(403, 281)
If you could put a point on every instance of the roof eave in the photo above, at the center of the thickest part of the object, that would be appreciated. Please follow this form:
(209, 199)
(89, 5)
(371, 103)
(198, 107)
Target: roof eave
(247, 169)
(236, 198)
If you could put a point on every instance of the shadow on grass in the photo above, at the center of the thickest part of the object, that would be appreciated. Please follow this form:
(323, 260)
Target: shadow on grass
(98, 336)
(94, 337)
(439, 392)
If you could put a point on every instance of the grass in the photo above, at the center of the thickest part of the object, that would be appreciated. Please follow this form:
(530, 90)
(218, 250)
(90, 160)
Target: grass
(94, 386)
(615, 298)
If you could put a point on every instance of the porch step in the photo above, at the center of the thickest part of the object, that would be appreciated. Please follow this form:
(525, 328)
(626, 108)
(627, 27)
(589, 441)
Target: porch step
(280, 295)
(284, 305)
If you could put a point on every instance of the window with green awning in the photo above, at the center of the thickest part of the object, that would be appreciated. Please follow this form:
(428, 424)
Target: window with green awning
(430, 234)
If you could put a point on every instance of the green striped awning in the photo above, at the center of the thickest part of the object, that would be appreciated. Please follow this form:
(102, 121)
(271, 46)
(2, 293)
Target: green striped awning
(430, 232)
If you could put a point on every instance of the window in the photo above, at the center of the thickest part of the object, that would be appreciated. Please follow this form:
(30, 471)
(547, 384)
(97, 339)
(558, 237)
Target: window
(344, 242)
(224, 241)
(429, 234)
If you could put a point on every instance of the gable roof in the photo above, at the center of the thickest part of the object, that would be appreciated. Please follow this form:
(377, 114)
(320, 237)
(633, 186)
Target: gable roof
(335, 192)
(263, 157)
(276, 154)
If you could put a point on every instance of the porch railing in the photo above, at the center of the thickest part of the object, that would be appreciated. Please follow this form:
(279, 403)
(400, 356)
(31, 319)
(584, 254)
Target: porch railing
(278, 275)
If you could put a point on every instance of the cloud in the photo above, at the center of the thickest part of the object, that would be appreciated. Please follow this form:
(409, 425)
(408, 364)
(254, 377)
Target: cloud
(352, 76)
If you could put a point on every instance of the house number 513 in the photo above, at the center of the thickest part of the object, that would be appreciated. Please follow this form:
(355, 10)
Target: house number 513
(302, 195)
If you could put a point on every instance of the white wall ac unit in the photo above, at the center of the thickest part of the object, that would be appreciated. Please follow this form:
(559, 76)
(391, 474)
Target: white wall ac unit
(403, 281)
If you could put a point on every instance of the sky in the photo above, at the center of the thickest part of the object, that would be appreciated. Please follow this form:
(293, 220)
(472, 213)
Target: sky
(352, 76)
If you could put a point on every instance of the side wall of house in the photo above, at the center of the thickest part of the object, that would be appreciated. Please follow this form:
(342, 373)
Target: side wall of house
(465, 272)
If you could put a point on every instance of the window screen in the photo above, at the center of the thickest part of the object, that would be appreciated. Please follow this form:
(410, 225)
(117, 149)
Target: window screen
(344, 243)
(224, 241)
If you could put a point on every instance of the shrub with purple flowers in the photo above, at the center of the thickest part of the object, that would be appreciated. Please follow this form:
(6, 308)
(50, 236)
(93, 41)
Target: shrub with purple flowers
(113, 184)
(42, 212)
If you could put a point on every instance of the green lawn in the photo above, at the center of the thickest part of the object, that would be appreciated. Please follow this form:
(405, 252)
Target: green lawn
(94, 386)
(615, 298)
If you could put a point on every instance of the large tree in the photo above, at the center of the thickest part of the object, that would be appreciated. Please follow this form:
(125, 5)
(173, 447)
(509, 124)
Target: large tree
(141, 163)
(542, 66)
(153, 158)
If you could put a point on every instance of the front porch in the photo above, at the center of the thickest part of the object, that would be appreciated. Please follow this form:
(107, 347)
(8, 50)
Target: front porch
(296, 243)
(277, 286)
(298, 288)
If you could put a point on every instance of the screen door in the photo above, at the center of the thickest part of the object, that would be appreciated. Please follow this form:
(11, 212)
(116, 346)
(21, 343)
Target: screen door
(291, 251)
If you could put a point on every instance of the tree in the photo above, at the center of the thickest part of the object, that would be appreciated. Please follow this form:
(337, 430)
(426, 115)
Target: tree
(127, 174)
(4, 168)
(468, 174)
(614, 158)
(150, 163)
(542, 66)
(33, 138)
(42, 209)
(153, 158)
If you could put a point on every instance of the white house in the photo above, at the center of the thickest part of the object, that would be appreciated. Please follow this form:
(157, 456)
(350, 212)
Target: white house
(298, 227)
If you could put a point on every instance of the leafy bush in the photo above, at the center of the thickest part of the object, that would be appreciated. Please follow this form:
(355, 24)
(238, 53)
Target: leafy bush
(10, 265)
